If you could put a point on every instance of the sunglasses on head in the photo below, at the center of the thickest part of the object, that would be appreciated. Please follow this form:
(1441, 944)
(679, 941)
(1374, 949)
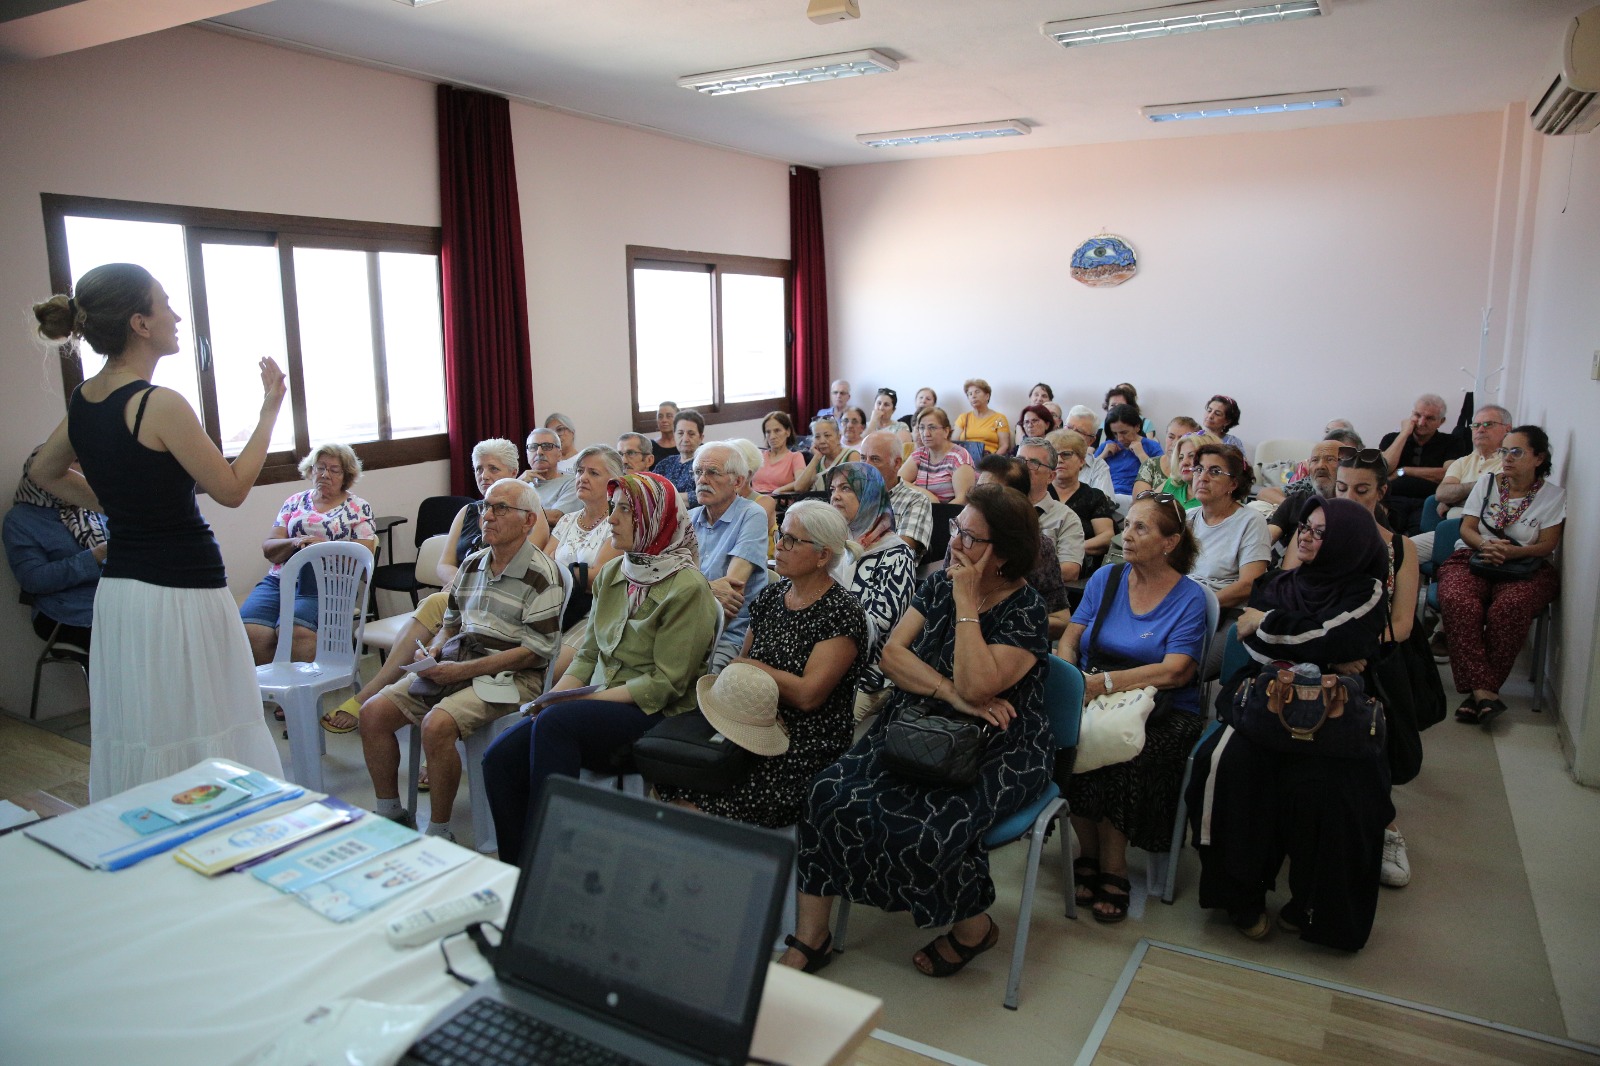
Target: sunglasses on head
(1361, 456)
(1163, 498)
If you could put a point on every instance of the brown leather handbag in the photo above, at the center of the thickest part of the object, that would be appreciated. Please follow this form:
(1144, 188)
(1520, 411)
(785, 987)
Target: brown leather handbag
(1334, 717)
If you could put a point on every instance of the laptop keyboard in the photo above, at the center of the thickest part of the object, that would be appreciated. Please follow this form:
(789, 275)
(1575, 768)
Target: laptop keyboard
(490, 1033)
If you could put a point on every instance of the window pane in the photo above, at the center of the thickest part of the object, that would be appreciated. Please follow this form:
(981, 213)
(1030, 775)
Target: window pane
(244, 301)
(413, 341)
(752, 337)
(158, 247)
(672, 326)
(336, 344)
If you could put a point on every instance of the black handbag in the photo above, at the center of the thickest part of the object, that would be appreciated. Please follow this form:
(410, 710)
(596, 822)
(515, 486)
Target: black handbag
(1509, 570)
(581, 600)
(686, 751)
(933, 744)
(1339, 721)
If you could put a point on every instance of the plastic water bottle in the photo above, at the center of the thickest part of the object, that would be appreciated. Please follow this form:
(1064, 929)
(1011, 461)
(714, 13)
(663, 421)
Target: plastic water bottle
(1307, 674)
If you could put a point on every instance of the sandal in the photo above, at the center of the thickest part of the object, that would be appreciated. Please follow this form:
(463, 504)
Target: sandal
(422, 778)
(1117, 901)
(1468, 712)
(1489, 710)
(349, 707)
(1253, 926)
(816, 958)
(965, 953)
(1085, 877)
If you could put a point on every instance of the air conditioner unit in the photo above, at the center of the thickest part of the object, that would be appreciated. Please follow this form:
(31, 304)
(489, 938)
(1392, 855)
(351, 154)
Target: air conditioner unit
(1571, 103)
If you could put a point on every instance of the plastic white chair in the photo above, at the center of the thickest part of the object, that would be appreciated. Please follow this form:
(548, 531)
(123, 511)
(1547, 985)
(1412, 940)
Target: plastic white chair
(382, 633)
(343, 569)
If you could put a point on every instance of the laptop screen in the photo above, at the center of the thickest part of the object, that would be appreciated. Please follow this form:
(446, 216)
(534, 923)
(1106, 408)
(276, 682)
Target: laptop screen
(656, 917)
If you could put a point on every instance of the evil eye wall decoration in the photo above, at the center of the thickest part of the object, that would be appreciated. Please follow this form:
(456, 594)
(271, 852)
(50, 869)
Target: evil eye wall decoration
(1104, 260)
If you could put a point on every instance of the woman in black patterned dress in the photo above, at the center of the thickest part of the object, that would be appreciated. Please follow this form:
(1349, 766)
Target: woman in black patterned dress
(975, 639)
(809, 634)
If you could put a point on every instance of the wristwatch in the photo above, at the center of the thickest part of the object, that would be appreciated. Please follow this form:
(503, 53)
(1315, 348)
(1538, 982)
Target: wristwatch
(1106, 677)
(1401, 472)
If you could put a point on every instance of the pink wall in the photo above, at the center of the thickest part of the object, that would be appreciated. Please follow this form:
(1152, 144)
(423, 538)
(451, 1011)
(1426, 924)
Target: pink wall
(1269, 262)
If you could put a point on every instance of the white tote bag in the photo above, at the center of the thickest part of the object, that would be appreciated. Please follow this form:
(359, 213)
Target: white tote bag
(1112, 729)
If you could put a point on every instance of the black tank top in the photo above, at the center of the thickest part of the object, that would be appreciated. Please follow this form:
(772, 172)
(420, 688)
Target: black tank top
(158, 536)
(471, 538)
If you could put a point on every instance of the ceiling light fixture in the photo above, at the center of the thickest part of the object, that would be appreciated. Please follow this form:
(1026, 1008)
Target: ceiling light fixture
(1248, 105)
(973, 131)
(790, 72)
(1178, 18)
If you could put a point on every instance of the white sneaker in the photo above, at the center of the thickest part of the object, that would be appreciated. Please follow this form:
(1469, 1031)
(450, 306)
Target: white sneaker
(1396, 869)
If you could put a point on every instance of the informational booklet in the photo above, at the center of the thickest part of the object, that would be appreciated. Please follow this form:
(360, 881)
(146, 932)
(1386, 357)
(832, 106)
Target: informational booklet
(546, 699)
(235, 845)
(186, 805)
(103, 836)
(374, 883)
(322, 858)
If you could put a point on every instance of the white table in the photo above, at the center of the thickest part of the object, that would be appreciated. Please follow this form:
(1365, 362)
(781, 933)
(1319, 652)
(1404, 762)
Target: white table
(156, 964)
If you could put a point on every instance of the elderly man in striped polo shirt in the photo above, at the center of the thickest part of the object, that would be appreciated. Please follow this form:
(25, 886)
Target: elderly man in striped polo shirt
(501, 630)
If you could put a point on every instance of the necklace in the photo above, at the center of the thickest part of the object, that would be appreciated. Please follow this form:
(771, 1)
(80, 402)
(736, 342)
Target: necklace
(803, 602)
(1502, 516)
(588, 526)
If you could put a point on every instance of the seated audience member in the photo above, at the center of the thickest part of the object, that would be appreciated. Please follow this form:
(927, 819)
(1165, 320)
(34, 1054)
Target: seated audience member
(567, 432)
(1035, 421)
(913, 510)
(556, 492)
(1234, 546)
(653, 621)
(1417, 455)
(1251, 806)
(839, 393)
(1154, 630)
(877, 567)
(828, 451)
(983, 424)
(1038, 396)
(1222, 414)
(808, 636)
(883, 419)
(636, 451)
(1364, 478)
(1318, 481)
(1513, 515)
(492, 460)
(1058, 523)
(781, 463)
(688, 430)
(666, 442)
(55, 550)
(505, 605)
(973, 640)
(1490, 424)
(1344, 424)
(581, 542)
(939, 467)
(731, 532)
(1045, 575)
(1180, 483)
(1118, 395)
(1096, 474)
(1058, 420)
(926, 398)
(1126, 447)
(1154, 472)
(752, 461)
(1097, 514)
(852, 427)
(328, 510)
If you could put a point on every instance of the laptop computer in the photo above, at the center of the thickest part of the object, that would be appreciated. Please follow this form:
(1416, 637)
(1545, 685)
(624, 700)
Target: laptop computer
(639, 927)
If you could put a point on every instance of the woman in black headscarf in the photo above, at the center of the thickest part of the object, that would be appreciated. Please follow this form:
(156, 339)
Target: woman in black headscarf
(1251, 806)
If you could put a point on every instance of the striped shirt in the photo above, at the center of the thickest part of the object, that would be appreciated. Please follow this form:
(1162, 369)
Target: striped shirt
(520, 607)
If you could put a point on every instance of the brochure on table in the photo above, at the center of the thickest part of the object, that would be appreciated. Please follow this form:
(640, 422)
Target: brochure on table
(378, 881)
(334, 854)
(241, 844)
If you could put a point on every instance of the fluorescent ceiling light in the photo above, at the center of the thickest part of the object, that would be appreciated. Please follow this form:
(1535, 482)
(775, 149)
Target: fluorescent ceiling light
(1249, 105)
(790, 72)
(1179, 18)
(972, 131)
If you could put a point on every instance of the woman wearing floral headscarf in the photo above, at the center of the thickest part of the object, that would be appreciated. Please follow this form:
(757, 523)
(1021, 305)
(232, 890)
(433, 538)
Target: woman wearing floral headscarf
(56, 551)
(882, 576)
(653, 621)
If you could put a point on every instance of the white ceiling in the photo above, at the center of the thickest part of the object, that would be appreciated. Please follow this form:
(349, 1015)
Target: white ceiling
(960, 61)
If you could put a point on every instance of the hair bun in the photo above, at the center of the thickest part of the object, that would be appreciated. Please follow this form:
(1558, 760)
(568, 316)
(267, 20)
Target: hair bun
(59, 317)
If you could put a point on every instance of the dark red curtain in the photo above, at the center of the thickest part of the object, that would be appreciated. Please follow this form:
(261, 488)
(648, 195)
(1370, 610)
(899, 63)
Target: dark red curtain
(808, 378)
(488, 391)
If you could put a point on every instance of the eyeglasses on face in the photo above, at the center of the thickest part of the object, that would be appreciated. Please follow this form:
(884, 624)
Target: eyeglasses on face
(499, 510)
(1360, 456)
(1485, 425)
(1164, 498)
(543, 446)
(1511, 453)
(1317, 533)
(1213, 471)
(633, 453)
(336, 471)
(788, 541)
(965, 537)
(709, 471)
(1038, 464)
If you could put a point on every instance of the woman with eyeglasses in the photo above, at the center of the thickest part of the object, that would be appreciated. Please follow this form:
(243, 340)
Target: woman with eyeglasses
(937, 466)
(1250, 806)
(1155, 472)
(973, 642)
(1222, 414)
(828, 451)
(581, 541)
(852, 427)
(1235, 546)
(809, 635)
(1500, 577)
(327, 511)
(879, 569)
(1035, 421)
(1095, 510)
(567, 434)
(652, 624)
(1038, 396)
(1153, 631)
(780, 462)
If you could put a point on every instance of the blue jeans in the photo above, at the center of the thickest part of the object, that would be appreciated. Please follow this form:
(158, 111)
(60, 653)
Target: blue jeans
(261, 606)
(563, 739)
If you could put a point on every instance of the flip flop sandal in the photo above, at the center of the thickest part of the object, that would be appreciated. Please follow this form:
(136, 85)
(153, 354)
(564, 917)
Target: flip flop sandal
(422, 778)
(943, 967)
(816, 958)
(1489, 710)
(349, 707)
(1118, 901)
(1469, 712)
(1086, 875)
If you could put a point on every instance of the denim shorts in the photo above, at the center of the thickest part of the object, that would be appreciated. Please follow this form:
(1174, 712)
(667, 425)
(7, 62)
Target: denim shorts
(261, 606)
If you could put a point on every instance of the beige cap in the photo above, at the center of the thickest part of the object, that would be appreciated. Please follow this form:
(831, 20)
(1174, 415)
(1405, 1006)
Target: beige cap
(742, 703)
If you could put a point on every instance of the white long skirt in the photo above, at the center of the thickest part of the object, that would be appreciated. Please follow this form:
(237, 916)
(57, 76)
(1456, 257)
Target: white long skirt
(171, 682)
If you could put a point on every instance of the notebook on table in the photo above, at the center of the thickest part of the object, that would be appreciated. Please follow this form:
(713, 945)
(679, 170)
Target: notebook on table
(638, 927)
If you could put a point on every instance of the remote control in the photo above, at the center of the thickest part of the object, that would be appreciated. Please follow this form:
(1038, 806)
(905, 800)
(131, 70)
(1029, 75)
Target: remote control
(442, 919)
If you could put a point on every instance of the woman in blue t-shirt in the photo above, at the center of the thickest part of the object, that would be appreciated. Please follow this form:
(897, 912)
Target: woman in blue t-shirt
(1153, 634)
(1126, 447)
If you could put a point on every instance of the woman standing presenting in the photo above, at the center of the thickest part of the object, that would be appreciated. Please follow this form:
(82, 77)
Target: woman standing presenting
(171, 679)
